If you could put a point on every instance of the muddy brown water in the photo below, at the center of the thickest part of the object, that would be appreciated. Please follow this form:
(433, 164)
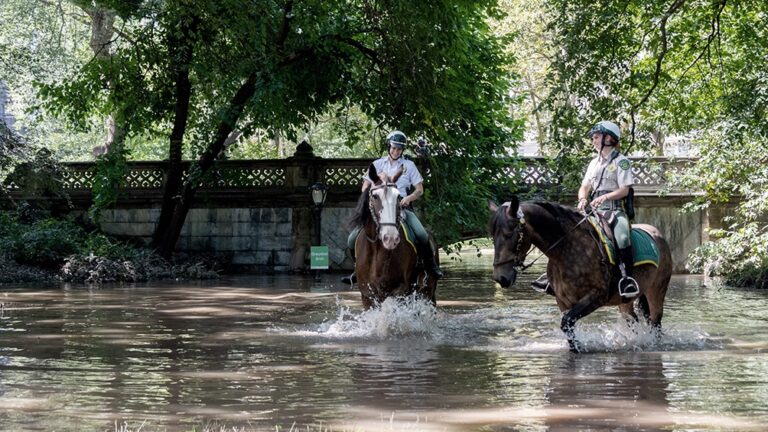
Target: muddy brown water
(281, 352)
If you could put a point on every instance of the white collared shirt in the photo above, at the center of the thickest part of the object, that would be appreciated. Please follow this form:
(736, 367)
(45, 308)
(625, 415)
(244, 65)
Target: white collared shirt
(410, 177)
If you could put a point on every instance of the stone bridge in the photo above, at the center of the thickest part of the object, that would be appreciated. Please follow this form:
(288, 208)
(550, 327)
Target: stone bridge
(260, 213)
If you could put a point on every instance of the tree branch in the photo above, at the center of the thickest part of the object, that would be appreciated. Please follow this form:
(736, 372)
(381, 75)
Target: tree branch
(714, 34)
(657, 72)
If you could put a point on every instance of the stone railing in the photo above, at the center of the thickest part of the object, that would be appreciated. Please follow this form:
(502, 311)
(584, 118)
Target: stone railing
(264, 181)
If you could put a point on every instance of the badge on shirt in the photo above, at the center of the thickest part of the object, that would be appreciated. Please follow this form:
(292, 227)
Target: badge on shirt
(611, 168)
(624, 164)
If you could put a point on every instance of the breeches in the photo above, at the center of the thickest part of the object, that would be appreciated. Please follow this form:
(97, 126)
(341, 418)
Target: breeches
(621, 230)
(418, 229)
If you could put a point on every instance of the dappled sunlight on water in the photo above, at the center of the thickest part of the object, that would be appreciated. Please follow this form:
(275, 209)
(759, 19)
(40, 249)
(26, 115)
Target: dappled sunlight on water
(268, 352)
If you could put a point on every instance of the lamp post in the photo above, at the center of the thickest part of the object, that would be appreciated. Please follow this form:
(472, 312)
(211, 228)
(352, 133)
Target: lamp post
(319, 192)
(318, 254)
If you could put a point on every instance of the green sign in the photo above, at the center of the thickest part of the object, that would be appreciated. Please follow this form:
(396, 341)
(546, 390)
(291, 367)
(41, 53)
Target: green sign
(318, 258)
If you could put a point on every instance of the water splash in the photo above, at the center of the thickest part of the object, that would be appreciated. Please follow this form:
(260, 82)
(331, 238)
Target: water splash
(623, 336)
(395, 317)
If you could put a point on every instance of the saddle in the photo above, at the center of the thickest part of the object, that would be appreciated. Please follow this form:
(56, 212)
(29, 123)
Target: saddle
(644, 249)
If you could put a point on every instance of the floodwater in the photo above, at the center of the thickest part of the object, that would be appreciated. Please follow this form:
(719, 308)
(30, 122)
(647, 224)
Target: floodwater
(280, 353)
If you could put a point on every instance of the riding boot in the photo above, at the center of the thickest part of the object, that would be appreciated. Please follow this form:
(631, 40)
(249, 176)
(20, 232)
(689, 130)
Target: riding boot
(628, 286)
(542, 285)
(430, 263)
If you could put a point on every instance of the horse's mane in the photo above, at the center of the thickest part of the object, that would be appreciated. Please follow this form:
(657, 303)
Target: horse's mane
(563, 217)
(361, 214)
(559, 211)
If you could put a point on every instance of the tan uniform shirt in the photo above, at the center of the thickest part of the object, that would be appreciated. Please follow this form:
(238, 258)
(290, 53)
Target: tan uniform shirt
(618, 173)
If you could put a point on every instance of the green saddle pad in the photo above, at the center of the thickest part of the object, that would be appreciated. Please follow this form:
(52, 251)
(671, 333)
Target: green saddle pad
(644, 249)
(410, 237)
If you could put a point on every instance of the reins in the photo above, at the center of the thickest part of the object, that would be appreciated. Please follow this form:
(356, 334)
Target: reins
(523, 266)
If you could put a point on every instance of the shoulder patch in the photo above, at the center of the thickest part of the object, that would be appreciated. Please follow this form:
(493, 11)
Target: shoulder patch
(624, 164)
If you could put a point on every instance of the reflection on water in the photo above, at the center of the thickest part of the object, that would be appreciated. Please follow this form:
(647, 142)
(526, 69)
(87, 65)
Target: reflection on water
(274, 351)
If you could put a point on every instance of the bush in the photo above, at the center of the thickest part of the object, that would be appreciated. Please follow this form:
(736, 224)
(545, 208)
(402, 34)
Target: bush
(739, 256)
(77, 255)
(48, 242)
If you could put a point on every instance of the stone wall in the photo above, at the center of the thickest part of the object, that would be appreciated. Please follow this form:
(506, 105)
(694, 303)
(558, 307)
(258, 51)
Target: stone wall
(254, 239)
(262, 239)
(260, 212)
(683, 231)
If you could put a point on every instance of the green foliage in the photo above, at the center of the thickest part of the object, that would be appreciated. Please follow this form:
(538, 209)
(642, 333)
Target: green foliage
(656, 67)
(110, 175)
(431, 68)
(47, 241)
(41, 42)
(13, 151)
(697, 69)
(739, 255)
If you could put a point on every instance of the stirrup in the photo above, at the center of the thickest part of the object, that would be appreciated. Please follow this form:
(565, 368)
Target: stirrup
(628, 287)
(541, 284)
(349, 280)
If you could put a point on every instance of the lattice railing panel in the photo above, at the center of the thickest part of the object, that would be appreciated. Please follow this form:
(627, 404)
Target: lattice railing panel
(144, 179)
(532, 172)
(648, 175)
(343, 176)
(243, 177)
(77, 178)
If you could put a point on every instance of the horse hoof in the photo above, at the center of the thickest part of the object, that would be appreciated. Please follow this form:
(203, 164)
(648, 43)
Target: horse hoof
(575, 347)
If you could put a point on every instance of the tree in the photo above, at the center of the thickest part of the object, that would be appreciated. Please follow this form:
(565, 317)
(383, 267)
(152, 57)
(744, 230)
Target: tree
(201, 69)
(685, 67)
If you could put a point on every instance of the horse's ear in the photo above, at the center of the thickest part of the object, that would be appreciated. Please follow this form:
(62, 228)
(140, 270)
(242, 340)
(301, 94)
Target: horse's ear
(514, 203)
(397, 175)
(373, 175)
(492, 206)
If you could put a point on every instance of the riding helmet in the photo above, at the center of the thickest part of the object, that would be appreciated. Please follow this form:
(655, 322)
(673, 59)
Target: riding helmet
(606, 127)
(397, 139)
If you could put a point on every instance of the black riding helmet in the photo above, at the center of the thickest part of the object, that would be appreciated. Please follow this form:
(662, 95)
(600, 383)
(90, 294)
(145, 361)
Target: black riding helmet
(396, 139)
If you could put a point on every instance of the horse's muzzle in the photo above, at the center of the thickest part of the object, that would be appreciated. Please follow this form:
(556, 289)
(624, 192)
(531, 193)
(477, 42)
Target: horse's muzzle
(390, 237)
(506, 278)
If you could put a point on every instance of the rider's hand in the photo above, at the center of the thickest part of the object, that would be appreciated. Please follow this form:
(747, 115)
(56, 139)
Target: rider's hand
(598, 201)
(582, 204)
(405, 202)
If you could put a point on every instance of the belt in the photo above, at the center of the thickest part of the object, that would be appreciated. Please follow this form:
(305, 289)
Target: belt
(609, 204)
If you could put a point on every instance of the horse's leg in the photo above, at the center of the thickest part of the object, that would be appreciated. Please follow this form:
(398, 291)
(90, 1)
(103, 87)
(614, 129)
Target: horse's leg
(628, 312)
(642, 303)
(656, 305)
(580, 310)
(366, 295)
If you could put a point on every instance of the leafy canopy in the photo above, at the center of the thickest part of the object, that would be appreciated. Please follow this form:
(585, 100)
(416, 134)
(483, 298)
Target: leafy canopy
(432, 68)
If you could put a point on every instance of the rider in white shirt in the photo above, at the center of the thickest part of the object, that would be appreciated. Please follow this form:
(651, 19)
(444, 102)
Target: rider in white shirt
(411, 177)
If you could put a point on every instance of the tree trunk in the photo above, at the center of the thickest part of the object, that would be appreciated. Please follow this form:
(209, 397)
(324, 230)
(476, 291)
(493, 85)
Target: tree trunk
(172, 181)
(540, 134)
(171, 232)
(102, 33)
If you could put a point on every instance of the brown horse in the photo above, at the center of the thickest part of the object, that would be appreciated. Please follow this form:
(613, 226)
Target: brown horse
(579, 273)
(386, 264)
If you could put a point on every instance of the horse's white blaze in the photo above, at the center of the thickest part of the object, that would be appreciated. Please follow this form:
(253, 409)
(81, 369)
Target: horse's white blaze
(388, 234)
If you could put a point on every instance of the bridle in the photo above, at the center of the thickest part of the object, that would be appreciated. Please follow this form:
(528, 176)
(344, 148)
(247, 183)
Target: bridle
(516, 260)
(375, 217)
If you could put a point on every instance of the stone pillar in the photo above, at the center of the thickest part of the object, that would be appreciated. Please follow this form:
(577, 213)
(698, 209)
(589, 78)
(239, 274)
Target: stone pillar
(712, 218)
(302, 171)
